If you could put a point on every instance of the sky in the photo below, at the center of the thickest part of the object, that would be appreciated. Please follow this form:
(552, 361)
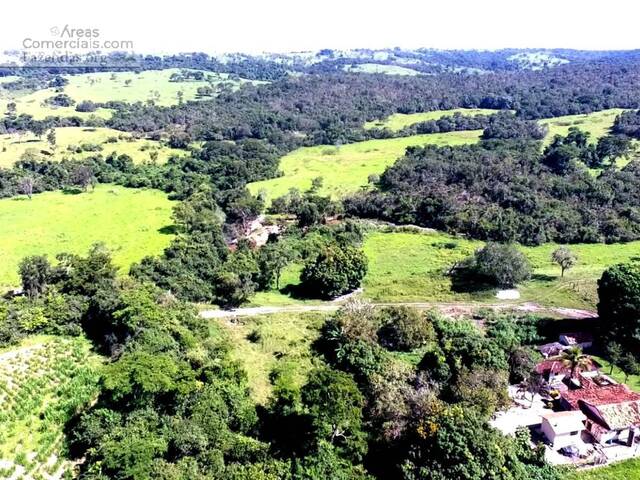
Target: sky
(255, 26)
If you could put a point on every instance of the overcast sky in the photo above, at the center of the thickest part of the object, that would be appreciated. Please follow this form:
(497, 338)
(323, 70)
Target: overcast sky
(288, 25)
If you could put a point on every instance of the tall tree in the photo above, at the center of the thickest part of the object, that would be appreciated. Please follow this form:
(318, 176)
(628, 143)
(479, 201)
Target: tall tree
(35, 272)
(565, 258)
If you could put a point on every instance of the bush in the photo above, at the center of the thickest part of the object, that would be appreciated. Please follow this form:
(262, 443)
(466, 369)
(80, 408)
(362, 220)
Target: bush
(404, 329)
(86, 106)
(502, 265)
(61, 100)
(335, 271)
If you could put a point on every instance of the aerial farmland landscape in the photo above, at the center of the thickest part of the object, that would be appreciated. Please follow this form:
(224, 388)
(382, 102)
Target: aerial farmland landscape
(338, 241)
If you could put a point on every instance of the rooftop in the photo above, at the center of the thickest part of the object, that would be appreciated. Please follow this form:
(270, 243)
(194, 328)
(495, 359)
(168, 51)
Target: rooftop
(621, 415)
(555, 366)
(597, 395)
(575, 338)
(565, 422)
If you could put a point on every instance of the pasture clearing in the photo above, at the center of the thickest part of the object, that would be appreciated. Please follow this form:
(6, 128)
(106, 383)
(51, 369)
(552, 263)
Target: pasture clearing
(412, 267)
(398, 121)
(380, 68)
(71, 139)
(598, 124)
(281, 341)
(129, 221)
(346, 169)
(102, 87)
(633, 381)
(43, 382)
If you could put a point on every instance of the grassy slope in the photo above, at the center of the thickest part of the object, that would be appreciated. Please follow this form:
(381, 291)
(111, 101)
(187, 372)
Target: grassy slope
(596, 123)
(407, 266)
(627, 470)
(380, 68)
(32, 375)
(127, 220)
(102, 87)
(633, 381)
(398, 121)
(264, 342)
(346, 169)
(12, 146)
(410, 267)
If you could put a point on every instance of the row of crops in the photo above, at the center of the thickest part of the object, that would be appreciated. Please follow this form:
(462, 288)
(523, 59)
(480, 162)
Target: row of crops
(42, 385)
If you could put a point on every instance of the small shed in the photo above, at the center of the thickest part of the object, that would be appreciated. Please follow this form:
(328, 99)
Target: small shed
(563, 429)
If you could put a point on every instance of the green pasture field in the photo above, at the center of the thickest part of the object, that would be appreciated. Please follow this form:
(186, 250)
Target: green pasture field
(598, 124)
(633, 381)
(346, 168)
(398, 121)
(129, 221)
(411, 267)
(102, 87)
(13, 146)
(380, 68)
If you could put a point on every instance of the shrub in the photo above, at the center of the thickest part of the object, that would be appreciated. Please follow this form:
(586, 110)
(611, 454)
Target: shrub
(502, 265)
(404, 328)
(335, 271)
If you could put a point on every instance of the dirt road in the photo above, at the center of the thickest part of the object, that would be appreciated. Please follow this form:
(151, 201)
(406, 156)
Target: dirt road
(450, 309)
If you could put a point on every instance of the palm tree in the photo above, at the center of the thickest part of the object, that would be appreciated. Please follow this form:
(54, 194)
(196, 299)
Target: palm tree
(574, 358)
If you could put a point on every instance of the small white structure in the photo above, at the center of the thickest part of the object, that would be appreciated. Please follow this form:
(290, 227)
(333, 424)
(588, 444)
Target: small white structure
(510, 294)
(563, 429)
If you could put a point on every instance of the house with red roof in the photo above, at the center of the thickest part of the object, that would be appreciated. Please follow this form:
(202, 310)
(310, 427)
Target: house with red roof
(611, 409)
(555, 370)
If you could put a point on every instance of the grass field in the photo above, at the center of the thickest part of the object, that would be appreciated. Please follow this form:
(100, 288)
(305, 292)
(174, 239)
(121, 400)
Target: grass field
(43, 382)
(380, 68)
(345, 169)
(126, 220)
(410, 267)
(398, 121)
(597, 124)
(107, 86)
(633, 381)
(13, 146)
(263, 343)
(627, 470)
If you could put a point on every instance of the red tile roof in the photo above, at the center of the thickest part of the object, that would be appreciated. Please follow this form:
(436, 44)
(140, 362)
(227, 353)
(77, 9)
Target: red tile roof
(596, 395)
(554, 366)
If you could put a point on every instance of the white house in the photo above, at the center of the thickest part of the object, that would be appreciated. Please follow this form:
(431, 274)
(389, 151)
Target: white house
(563, 429)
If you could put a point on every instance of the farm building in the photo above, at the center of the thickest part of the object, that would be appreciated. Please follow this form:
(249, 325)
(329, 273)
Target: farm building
(555, 370)
(612, 409)
(566, 341)
(563, 429)
(583, 340)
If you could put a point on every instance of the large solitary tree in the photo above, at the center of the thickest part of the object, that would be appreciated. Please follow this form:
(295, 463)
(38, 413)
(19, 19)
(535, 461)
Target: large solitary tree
(502, 265)
(565, 258)
(335, 271)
